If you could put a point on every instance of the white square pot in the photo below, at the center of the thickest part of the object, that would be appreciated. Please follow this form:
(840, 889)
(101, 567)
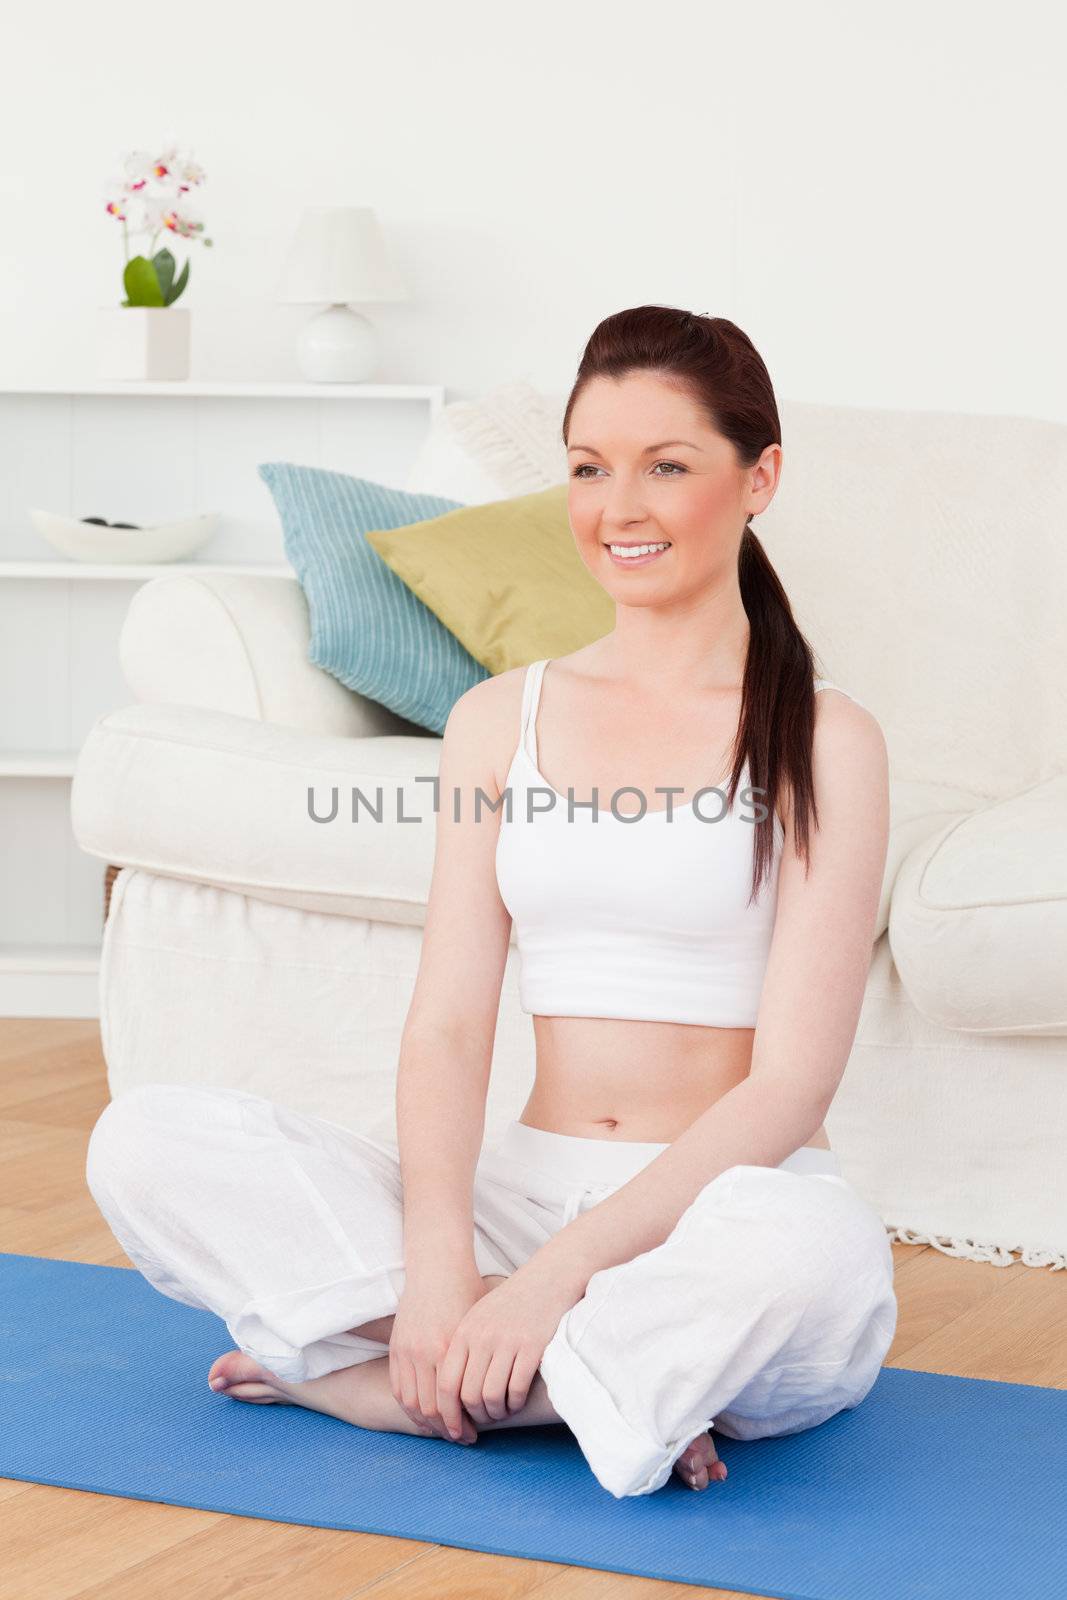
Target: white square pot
(143, 342)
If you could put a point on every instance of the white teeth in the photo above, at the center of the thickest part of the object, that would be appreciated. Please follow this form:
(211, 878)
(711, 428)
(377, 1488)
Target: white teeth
(628, 551)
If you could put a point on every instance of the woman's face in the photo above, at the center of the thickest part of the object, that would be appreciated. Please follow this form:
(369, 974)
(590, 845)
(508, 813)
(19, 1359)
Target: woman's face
(646, 467)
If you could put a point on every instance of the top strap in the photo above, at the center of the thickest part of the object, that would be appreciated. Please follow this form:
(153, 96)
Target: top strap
(531, 699)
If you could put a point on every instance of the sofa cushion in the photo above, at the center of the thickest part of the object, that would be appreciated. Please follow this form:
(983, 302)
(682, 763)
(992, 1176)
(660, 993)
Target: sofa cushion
(978, 921)
(505, 578)
(916, 812)
(368, 629)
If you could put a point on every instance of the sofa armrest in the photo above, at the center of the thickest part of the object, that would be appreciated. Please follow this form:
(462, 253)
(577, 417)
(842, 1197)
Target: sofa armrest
(236, 643)
(261, 810)
(978, 922)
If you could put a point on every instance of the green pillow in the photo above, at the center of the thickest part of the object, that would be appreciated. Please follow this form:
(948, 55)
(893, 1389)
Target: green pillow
(505, 578)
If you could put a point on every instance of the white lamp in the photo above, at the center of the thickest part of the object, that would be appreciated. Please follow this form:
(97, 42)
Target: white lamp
(338, 255)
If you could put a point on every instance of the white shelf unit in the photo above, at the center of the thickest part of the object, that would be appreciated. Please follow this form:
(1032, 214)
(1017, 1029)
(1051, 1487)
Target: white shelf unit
(140, 452)
(234, 389)
(66, 570)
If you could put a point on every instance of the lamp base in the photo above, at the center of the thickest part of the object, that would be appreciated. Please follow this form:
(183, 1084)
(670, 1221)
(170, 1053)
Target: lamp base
(338, 345)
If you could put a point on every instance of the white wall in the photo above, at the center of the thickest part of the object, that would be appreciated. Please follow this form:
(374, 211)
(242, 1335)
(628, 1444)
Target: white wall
(873, 192)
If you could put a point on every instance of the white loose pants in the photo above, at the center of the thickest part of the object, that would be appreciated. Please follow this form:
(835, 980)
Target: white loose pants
(767, 1309)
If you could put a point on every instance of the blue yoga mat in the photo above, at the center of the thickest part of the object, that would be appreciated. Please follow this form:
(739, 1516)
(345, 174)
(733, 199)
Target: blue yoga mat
(934, 1486)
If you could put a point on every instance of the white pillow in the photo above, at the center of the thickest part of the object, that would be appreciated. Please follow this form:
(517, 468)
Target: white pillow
(443, 467)
(505, 443)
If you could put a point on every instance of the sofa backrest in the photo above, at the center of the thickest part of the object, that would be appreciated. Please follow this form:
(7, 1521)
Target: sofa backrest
(925, 559)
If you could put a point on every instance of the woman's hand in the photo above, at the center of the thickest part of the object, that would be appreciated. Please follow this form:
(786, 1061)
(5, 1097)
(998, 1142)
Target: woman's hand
(497, 1347)
(430, 1308)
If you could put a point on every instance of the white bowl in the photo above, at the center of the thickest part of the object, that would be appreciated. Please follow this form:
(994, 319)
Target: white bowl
(88, 541)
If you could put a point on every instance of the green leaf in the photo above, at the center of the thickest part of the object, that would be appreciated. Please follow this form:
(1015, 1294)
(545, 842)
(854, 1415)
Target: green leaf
(178, 284)
(164, 264)
(141, 283)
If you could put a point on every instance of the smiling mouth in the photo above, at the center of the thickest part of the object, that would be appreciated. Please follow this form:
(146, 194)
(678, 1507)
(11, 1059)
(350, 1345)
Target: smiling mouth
(634, 553)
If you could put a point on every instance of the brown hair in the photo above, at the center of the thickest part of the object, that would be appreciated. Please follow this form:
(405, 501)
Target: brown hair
(723, 371)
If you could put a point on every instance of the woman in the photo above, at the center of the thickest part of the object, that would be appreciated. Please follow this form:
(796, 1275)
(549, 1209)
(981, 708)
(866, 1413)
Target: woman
(662, 1242)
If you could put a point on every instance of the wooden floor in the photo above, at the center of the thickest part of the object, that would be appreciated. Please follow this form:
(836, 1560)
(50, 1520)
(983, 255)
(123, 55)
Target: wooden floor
(61, 1544)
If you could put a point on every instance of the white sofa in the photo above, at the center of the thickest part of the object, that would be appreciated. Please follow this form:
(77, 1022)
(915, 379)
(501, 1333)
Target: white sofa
(925, 557)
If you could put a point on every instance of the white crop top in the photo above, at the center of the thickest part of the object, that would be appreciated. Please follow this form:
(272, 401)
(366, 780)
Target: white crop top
(633, 916)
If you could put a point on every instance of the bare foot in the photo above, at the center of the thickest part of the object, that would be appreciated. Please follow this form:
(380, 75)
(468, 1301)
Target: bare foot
(699, 1464)
(360, 1394)
(243, 1378)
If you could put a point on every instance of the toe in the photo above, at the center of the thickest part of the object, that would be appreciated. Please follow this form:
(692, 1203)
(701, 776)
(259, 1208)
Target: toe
(716, 1469)
(235, 1367)
(699, 1464)
(690, 1466)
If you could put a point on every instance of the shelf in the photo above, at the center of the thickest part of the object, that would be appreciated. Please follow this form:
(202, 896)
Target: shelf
(37, 763)
(236, 390)
(146, 569)
(73, 438)
(49, 958)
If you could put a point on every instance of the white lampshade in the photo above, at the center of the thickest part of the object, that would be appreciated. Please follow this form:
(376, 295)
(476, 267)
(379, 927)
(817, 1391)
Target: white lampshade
(338, 257)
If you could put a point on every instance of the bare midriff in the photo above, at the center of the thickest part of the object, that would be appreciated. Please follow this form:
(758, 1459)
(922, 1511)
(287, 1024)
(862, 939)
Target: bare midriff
(612, 1078)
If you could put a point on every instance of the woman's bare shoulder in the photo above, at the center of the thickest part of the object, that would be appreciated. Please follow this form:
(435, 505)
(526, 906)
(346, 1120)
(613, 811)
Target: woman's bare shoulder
(488, 704)
(849, 749)
(482, 730)
(846, 717)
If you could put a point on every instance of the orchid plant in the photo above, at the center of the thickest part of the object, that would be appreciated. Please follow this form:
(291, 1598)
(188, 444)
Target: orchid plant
(158, 191)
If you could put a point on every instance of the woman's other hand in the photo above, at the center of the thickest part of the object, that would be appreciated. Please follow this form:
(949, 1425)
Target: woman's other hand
(430, 1309)
(496, 1348)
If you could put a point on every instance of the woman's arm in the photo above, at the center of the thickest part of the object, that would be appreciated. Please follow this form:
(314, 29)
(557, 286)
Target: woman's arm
(813, 990)
(447, 1045)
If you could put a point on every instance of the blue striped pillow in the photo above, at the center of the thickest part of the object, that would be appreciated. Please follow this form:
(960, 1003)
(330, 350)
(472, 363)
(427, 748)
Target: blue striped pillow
(367, 627)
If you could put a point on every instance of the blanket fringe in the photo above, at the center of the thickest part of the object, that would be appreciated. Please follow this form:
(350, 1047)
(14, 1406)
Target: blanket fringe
(970, 1250)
